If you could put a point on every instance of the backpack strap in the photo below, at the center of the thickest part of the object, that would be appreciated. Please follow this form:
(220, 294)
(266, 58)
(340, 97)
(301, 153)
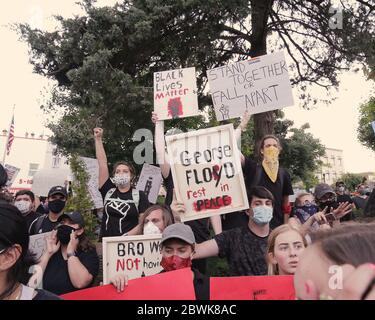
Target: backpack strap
(37, 224)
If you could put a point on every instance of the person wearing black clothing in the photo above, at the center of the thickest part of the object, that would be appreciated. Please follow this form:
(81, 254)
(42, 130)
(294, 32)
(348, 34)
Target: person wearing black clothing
(14, 258)
(177, 248)
(268, 174)
(70, 261)
(57, 197)
(342, 197)
(244, 247)
(24, 200)
(361, 199)
(122, 203)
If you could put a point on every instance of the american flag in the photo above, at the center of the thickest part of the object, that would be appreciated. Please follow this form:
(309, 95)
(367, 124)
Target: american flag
(11, 136)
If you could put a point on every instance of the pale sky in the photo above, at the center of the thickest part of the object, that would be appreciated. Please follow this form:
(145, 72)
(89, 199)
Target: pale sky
(335, 125)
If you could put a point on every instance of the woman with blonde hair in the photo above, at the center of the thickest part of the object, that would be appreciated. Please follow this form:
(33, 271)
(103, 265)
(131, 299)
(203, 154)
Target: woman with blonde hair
(285, 244)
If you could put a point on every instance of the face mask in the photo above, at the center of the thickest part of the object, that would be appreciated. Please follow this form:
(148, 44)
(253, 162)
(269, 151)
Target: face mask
(329, 203)
(309, 209)
(175, 263)
(362, 192)
(23, 206)
(150, 228)
(262, 214)
(341, 189)
(56, 206)
(63, 233)
(270, 162)
(121, 179)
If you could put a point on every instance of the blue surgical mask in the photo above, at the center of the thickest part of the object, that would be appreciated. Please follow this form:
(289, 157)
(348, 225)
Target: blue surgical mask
(262, 214)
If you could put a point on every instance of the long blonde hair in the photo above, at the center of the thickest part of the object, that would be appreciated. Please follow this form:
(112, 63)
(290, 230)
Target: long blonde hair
(273, 268)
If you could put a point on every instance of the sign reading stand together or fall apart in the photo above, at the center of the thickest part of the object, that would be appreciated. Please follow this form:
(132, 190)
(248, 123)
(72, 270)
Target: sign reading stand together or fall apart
(134, 256)
(257, 85)
(207, 172)
(175, 94)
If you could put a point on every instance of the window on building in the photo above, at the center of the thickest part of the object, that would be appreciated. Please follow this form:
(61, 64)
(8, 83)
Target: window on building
(33, 168)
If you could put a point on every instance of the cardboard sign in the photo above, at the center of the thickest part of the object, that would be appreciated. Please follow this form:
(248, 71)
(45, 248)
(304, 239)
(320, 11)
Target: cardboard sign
(38, 244)
(252, 288)
(207, 172)
(175, 94)
(150, 181)
(257, 85)
(92, 168)
(134, 256)
(162, 286)
(12, 174)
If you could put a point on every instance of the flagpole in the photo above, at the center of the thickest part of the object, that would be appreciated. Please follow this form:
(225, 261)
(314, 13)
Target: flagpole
(6, 143)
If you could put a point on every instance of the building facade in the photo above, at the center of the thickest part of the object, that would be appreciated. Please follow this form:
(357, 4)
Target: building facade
(333, 166)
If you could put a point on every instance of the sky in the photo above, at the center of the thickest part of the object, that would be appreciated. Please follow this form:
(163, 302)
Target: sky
(335, 125)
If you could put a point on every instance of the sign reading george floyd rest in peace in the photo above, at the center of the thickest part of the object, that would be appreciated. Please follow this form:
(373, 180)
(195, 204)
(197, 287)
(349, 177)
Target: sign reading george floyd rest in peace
(257, 85)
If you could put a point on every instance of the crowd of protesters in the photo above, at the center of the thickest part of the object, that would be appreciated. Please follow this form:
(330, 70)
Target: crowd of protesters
(272, 237)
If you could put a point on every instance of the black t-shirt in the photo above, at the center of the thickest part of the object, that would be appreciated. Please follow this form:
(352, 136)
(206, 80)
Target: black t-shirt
(359, 202)
(47, 225)
(120, 212)
(31, 217)
(200, 227)
(345, 198)
(45, 295)
(280, 188)
(56, 276)
(244, 251)
(234, 220)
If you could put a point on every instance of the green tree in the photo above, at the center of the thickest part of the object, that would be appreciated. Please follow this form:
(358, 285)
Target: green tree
(80, 199)
(366, 134)
(103, 61)
(351, 180)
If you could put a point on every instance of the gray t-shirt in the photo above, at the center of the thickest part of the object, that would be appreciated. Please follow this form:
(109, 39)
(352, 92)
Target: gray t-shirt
(244, 250)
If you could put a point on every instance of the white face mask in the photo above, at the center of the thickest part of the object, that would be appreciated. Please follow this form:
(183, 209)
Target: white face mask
(150, 228)
(121, 179)
(23, 206)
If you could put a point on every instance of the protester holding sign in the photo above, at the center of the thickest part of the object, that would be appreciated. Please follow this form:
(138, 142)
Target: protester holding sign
(177, 249)
(57, 197)
(70, 262)
(327, 267)
(244, 247)
(14, 259)
(285, 244)
(24, 200)
(122, 202)
(269, 174)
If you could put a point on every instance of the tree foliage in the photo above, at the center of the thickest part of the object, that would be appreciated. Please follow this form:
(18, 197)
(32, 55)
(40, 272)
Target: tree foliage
(351, 180)
(366, 134)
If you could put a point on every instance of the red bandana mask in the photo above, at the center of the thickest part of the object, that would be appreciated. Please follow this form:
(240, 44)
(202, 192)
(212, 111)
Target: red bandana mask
(174, 263)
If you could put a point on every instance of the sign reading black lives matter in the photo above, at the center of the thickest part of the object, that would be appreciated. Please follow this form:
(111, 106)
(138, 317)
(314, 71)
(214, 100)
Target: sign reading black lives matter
(257, 85)
(207, 173)
(134, 256)
(175, 94)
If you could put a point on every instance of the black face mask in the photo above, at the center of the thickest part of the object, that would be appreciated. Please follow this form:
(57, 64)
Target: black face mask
(330, 204)
(56, 206)
(63, 233)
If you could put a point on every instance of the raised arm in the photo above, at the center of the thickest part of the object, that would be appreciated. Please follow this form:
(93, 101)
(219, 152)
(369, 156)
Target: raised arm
(101, 156)
(160, 146)
(237, 133)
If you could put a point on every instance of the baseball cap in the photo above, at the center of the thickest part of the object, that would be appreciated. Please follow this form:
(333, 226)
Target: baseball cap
(58, 190)
(321, 189)
(178, 231)
(75, 216)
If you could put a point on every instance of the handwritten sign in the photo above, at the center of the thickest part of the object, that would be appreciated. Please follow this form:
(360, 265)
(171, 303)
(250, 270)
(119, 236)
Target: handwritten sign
(257, 85)
(252, 288)
(134, 256)
(38, 244)
(12, 173)
(175, 94)
(157, 287)
(150, 181)
(92, 168)
(207, 172)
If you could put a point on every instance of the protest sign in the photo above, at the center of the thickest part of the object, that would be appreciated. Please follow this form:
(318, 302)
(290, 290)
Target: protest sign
(257, 85)
(175, 94)
(150, 181)
(134, 256)
(92, 169)
(207, 172)
(252, 288)
(12, 174)
(171, 285)
(38, 244)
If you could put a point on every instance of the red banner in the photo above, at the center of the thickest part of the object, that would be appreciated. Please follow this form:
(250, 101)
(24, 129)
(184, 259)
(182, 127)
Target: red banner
(172, 285)
(252, 288)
